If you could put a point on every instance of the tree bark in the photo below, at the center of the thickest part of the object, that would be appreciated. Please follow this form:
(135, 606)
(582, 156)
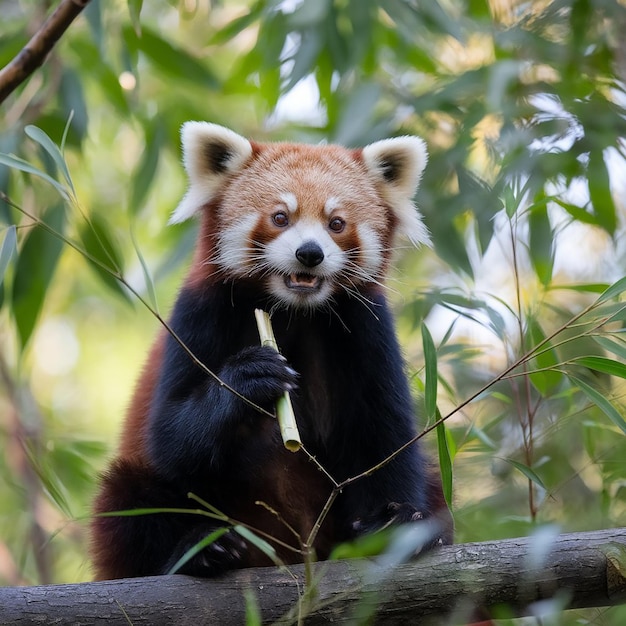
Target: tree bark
(580, 569)
(37, 49)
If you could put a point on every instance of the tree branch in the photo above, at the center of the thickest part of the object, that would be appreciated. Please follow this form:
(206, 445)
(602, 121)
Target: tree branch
(581, 569)
(34, 53)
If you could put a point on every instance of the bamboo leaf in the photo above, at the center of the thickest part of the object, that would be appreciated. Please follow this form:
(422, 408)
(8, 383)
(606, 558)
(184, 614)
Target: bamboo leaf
(619, 349)
(101, 246)
(73, 108)
(527, 471)
(541, 243)
(19, 164)
(600, 192)
(134, 9)
(546, 360)
(602, 364)
(66, 130)
(38, 135)
(8, 250)
(146, 272)
(601, 402)
(51, 483)
(583, 288)
(198, 547)
(445, 461)
(258, 542)
(363, 546)
(35, 267)
(616, 289)
(234, 27)
(144, 174)
(430, 384)
(169, 59)
(253, 612)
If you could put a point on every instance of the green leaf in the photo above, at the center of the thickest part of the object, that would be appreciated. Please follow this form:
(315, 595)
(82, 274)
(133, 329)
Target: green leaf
(600, 192)
(51, 483)
(445, 461)
(541, 243)
(357, 113)
(146, 170)
(527, 471)
(35, 267)
(93, 67)
(173, 61)
(616, 289)
(545, 381)
(24, 166)
(233, 28)
(363, 546)
(257, 542)
(38, 135)
(580, 215)
(146, 272)
(134, 9)
(201, 545)
(599, 399)
(430, 383)
(602, 364)
(66, 130)
(583, 288)
(8, 250)
(253, 612)
(106, 258)
(612, 346)
(73, 106)
(93, 14)
(304, 60)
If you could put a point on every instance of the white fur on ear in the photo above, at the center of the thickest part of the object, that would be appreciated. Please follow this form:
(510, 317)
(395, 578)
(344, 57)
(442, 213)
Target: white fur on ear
(210, 154)
(398, 164)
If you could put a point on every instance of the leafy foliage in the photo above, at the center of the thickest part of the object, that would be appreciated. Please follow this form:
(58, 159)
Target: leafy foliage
(523, 109)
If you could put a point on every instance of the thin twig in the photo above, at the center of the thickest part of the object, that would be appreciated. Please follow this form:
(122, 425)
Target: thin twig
(118, 276)
(523, 359)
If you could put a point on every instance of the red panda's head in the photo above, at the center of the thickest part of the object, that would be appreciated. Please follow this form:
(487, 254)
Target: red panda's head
(306, 221)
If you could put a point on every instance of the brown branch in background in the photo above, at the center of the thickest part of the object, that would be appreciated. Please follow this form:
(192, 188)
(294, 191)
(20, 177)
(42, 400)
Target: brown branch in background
(34, 53)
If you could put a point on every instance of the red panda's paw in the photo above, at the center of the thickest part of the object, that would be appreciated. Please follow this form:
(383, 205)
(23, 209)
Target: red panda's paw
(226, 553)
(260, 374)
(394, 514)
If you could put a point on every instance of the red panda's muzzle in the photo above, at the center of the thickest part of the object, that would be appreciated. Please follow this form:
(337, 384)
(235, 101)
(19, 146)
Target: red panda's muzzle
(303, 282)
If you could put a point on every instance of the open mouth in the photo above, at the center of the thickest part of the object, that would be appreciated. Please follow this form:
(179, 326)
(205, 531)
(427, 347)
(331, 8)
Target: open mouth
(303, 282)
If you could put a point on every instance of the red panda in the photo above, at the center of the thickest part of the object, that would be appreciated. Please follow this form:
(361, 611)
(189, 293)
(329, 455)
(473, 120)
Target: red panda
(307, 233)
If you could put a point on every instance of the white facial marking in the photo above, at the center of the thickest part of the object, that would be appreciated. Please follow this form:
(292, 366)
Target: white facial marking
(331, 204)
(234, 242)
(290, 200)
(370, 257)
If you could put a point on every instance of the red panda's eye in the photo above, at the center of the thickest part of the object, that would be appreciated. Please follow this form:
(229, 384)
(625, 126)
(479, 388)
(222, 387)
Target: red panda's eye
(337, 225)
(280, 219)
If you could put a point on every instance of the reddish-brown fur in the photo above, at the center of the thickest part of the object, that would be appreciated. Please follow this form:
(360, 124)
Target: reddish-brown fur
(335, 354)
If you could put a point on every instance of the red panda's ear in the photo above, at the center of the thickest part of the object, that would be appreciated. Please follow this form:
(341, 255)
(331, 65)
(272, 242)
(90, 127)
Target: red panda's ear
(397, 165)
(210, 154)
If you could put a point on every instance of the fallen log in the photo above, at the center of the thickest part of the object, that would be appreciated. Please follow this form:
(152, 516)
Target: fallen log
(579, 569)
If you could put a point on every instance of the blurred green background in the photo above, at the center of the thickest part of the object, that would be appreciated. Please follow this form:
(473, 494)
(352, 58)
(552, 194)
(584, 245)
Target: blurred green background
(522, 105)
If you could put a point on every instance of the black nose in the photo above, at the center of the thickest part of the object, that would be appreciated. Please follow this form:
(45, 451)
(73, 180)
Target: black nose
(310, 254)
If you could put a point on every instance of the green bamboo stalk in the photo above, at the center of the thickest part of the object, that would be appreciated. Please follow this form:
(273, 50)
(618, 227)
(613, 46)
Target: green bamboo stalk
(284, 409)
